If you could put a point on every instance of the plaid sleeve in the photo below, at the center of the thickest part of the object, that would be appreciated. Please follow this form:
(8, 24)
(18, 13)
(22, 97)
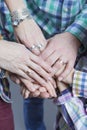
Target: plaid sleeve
(73, 111)
(79, 27)
(6, 29)
(76, 111)
(80, 84)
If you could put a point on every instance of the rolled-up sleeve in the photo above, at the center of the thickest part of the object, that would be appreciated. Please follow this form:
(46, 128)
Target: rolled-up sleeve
(75, 109)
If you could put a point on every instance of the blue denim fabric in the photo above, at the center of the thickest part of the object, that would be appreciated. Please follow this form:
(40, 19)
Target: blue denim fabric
(33, 114)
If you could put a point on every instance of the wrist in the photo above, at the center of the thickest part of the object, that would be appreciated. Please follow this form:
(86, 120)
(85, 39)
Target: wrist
(61, 86)
(73, 38)
(19, 16)
(69, 78)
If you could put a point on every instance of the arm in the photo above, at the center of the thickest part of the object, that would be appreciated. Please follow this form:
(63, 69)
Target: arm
(27, 29)
(72, 108)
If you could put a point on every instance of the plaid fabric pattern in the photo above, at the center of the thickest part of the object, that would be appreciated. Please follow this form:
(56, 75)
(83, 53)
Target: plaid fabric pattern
(4, 86)
(80, 84)
(5, 90)
(55, 17)
(62, 99)
(72, 111)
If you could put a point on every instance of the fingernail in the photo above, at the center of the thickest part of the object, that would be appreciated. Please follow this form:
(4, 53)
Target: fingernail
(60, 78)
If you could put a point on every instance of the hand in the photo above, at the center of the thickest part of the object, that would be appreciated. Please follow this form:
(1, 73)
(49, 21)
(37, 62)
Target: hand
(26, 93)
(66, 81)
(19, 60)
(29, 34)
(40, 91)
(32, 89)
(61, 49)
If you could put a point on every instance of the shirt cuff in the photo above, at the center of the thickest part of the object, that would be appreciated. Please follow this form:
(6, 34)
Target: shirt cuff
(80, 33)
(64, 97)
(79, 84)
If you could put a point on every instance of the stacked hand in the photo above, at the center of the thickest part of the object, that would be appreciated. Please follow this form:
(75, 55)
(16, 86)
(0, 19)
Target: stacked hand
(58, 53)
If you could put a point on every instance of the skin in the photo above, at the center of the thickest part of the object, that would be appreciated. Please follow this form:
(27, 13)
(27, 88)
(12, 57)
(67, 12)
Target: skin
(58, 49)
(26, 31)
(54, 50)
(42, 93)
(17, 59)
(51, 57)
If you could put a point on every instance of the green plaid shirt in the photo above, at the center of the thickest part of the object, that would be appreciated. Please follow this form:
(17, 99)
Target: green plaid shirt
(55, 16)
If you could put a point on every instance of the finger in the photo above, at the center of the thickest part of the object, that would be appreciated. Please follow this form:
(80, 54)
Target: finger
(15, 79)
(34, 49)
(67, 70)
(28, 84)
(47, 52)
(57, 67)
(44, 95)
(39, 61)
(42, 89)
(59, 71)
(22, 90)
(39, 70)
(53, 83)
(36, 93)
(41, 40)
(36, 77)
(41, 76)
(50, 89)
(33, 76)
(51, 60)
(26, 69)
(27, 93)
(41, 44)
(22, 74)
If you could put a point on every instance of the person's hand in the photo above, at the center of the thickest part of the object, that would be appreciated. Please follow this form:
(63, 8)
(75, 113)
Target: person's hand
(29, 34)
(30, 88)
(66, 81)
(19, 60)
(61, 49)
(27, 94)
(40, 92)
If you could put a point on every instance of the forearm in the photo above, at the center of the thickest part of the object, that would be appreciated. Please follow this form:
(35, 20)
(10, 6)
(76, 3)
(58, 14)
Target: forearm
(73, 108)
(14, 5)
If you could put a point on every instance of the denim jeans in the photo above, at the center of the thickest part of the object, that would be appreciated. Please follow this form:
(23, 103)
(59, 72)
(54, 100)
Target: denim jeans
(33, 114)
